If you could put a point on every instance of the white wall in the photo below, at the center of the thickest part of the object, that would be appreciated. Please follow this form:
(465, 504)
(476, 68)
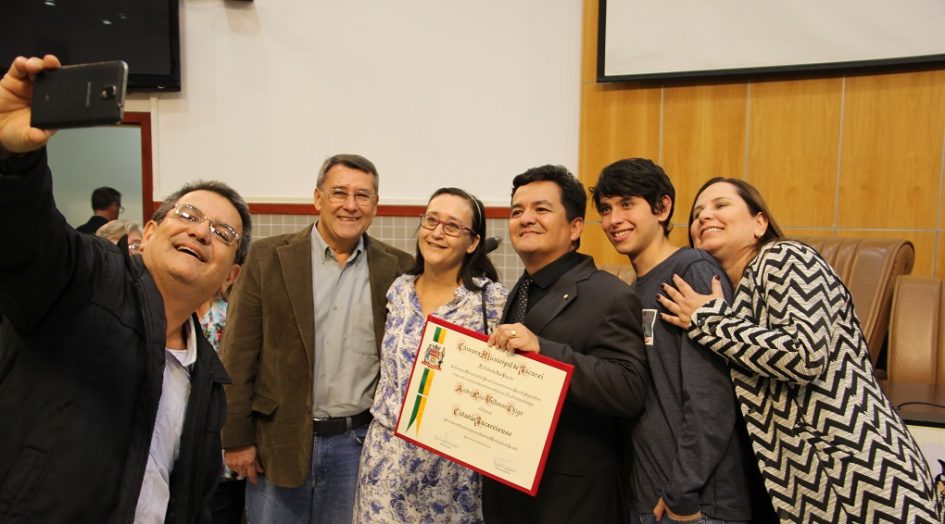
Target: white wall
(434, 92)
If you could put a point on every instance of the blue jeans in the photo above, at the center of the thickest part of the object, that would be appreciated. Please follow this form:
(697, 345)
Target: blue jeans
(648, 518)
(326, 496)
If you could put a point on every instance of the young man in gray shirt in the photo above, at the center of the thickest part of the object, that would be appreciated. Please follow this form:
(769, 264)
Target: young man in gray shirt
(688, 451)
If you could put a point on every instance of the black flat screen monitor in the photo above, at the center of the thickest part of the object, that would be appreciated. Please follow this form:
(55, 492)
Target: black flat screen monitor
(143, 33)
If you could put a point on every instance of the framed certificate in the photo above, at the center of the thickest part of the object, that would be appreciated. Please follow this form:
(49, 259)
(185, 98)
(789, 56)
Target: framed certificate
(484, 408)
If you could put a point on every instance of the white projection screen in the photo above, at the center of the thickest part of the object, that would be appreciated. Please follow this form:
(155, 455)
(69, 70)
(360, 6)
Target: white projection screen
(651, 39)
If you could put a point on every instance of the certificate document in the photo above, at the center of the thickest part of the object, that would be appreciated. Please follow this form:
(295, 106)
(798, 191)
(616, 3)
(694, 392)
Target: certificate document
(482, 407)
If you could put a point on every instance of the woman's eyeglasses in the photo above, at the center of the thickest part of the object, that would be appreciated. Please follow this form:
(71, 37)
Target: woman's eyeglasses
(450, 228)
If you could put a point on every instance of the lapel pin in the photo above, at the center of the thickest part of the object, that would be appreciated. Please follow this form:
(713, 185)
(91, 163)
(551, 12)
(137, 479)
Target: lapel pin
(565, 296)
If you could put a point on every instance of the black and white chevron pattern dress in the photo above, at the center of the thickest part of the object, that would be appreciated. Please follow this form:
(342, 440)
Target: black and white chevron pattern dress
(829, 444)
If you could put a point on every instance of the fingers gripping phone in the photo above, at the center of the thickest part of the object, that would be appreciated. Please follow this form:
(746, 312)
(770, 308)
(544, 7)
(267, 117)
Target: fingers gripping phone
(80, 95)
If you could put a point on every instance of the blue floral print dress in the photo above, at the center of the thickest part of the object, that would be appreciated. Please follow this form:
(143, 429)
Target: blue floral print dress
(399, 482)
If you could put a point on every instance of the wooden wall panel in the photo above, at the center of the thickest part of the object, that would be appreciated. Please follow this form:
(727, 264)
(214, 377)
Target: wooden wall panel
(618, 123)
(892, 150)
(679, 235)
(939, 255)
(794, 128)
(791, 232)
(703, 135)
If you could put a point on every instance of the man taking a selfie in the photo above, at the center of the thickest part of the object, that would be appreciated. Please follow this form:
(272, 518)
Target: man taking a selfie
(111, 399)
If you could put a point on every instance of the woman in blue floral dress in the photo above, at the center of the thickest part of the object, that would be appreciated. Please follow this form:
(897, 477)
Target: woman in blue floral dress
(399, 482)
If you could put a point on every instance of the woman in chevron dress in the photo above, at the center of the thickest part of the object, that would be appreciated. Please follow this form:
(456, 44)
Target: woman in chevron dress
(454, 280)
(829, 445)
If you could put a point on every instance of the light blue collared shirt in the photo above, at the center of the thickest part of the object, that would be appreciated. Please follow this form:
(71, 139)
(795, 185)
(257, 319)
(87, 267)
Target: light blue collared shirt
(346, 359)
(168, 427)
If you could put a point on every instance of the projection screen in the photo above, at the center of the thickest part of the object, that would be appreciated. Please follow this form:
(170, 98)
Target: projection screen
(644, 39)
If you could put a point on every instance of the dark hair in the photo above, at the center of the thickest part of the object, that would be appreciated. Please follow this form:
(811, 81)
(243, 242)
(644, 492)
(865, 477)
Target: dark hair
(573, 197)
(637, 177)
(755, 202)
(105, 197)
(348, 160)
(226, 192)
(475, 264)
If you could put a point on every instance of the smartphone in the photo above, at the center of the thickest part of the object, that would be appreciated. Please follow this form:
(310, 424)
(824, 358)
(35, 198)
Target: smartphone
(81, 95)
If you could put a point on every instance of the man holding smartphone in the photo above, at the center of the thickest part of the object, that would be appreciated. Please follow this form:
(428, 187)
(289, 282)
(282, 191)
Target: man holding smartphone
(111, 399)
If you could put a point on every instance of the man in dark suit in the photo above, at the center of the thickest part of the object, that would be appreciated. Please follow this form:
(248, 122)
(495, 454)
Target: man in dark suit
(302, 345)
(564, 308)
(106, 206)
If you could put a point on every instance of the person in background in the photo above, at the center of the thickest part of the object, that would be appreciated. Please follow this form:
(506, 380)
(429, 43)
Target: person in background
(829, 444)
(112, 399)
(454, 280)
(302, 344)
(564, 308)
(227, 504)
(688, 449)
(106, 206)
(114, 230)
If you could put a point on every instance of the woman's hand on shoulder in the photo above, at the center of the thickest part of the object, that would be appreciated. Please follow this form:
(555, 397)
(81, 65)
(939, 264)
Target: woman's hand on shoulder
(680, 300)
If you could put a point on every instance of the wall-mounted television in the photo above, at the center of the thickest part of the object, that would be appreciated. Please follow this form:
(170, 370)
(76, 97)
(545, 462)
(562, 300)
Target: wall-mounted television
(143, 33)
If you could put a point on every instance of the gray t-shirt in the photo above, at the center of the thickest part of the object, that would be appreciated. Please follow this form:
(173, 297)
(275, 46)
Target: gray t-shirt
(685, 446)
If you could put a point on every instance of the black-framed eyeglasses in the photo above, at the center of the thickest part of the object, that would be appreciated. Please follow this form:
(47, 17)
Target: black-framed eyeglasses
(340, 196)
(450, 228)
(221, 230)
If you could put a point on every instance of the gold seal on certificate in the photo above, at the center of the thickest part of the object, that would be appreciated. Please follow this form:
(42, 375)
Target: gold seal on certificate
(489, 410)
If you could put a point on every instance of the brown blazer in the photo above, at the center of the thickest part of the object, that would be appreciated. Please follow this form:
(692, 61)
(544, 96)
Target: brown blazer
(268, 348)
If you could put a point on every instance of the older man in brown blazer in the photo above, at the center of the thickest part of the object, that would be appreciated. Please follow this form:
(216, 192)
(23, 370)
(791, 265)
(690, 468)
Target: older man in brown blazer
(302, 346)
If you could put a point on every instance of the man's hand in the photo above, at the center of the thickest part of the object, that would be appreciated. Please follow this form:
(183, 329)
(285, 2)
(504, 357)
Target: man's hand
(661, 508)
(514, 337)
(244, 462)
(16, 97)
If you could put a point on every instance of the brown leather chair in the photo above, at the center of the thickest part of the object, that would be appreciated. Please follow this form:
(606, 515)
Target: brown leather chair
(917, 331)
(869, 268)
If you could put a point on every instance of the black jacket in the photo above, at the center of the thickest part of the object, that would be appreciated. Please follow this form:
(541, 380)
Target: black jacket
(91, 227)
(81, 368)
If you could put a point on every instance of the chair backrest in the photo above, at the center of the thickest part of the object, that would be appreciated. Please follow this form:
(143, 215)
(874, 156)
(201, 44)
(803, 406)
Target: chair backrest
(869, 268)
(916, 351)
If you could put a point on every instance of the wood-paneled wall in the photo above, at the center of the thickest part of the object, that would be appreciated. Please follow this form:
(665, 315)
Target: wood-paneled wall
(856, 155)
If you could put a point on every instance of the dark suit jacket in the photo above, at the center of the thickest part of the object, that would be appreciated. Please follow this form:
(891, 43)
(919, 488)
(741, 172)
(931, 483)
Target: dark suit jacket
(589, 319)
(90, 227)
(268, 348)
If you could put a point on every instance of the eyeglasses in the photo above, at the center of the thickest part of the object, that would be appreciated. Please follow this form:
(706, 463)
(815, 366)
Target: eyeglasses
(221, 230)
(134, 247)
(450, 228)
(340, 196)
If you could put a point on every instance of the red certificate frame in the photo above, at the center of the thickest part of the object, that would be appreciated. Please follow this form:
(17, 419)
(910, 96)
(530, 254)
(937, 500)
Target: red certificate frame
(481, 407)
